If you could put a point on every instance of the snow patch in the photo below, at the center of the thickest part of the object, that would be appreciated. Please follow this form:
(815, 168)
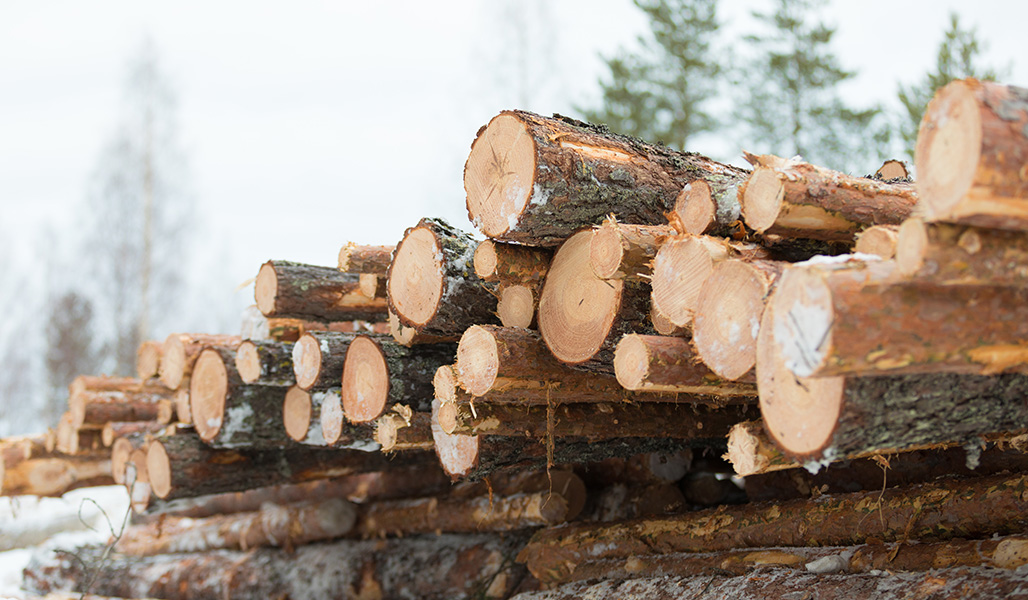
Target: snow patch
(841, 259)
(801, 332)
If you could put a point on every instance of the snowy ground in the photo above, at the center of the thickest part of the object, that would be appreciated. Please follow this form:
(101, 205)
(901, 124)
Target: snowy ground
(29, 524)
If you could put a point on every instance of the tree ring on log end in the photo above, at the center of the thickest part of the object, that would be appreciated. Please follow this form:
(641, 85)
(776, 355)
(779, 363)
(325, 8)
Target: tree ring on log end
(173, 361)
(576, 308)
(949, 146)
(365, 381)
(296, 413)
(265, 288)
(248, 363)
(416, 277)
(448, 413)
(631, 362)
(728, 319)
(762, 200)
(331, 418)
(680, 269)
(911, 245)
(158, 467)
(605, 250)
(307, 361)
(499, 175)
(800, 413)
(695, 207)
(208, 390)
(478, 361)
(486, 260)
(458, 454)
(516, 306)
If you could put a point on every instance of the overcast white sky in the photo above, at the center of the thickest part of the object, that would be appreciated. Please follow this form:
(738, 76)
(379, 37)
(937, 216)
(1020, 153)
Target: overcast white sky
(308, 124)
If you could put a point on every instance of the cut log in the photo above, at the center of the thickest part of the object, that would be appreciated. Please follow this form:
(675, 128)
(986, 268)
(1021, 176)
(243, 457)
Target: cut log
(401, 430)
(90, 408)
(374, 260)
(878, 240)
(681, 269)
(117, 429)
(230, 414)
(656, 363)
(938, 511)
(272, 525)
(181, 350)
(148, 359)
(516, 306)
(340, 433)
(78, 441)
(821, 315)
(944, 254)
(55, 475)
(269, 363)
(511, 263)
(301, 414)
(121, 454)
(408, 336)
(624, 251)
(590, 421)
(891, 170)
(181, 401)
(318, 358)
(182, 466)
(663, 326)
(709, 207)
(971, 150)
(432, 285)
(536, 180)
(104, 383)
(581, 317)
(728, 313)
(797, 199)
(288, 289)
(379, 373)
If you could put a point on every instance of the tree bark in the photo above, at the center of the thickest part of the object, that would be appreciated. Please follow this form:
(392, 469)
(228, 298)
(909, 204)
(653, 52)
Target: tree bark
(797, 199)
(288, 289)
(97, 408)
(496, 262)
(970, 156)
(318, 358)
(536, 180)
(953, 255)
(265, 362)
(104, 383)
(402, 431)
(625, 251)
(180, 352)
(709, 207)
(432, 284)
(55, 475)
(656, 363)
(374, 260)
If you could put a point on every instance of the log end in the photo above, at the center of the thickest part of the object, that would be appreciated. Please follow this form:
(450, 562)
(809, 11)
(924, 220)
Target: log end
(879, 240)
(365, 381)
(632, 362)
(478, 360)
(148, 359)
(486, 261)
(265, 289)
(605, 250)
(332, 419)
(182, 410)
(499, 175)
(695, 208)
(448, 417)
(248, 362)
(415, 284)
(892, 169)
(728, 319)
(663, 326)
(296, 413)
(208, 390)
(158, 469)
(949, 145)
(458, 454)
(576, 308)
(444, 383)
(121, 451)
(173, 361)
(516, 306)
(387, 430)
(307, 360)
(911, 246)
(762, 199)
(680, 269)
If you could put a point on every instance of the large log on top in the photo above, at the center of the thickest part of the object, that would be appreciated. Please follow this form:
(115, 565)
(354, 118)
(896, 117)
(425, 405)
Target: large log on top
(970, 156)
(536, 180)
(289, 289)
(433, 287)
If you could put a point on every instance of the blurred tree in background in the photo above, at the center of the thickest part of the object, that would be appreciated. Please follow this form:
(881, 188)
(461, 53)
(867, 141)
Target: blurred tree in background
(958, 56)
(661, 93)
(70, 349)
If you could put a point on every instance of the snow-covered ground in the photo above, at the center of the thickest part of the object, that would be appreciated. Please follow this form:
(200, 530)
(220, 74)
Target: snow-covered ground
(29, 524)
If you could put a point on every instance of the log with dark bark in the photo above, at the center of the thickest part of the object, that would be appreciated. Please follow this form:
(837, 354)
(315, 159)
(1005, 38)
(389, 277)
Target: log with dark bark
(148, 359)
(94, 409)
(181, 349)
(318, 358)
(938, 511)
(265, 362)
(290, 330)
(230, 414)
(581, 317)
(511, 263)
(626, 251)
(536, 180)
(336, 430)
(374, 260)
(970, 155)
(402, 430)
(433, 287)
(878, 240)
(945, 254)
(657, 363)
(797, 199)
(379, 373)
(301, 414)
(288, 289)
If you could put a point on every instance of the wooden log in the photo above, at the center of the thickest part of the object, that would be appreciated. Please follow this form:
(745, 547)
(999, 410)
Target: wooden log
(318, 358)
(581, 317)
(891, 170)
(373, 260)
(516, 305)
(116, 429)
(937, 511)
(681, 269)
(432, 285)
(878, 240)
(271, 525)
(511, 263)
(821, 315)
(663, 326)
(182, 466)
(104, 383)
(656, 363)
(289, 289)
(78, 441)
(230, 414)
(536, 180)
(301, 414)
(625, 251)
(90, 408)
(181, 350)
(379, 373)
(55, 475)
(408, 336)
(703, 208)
(403, 430)
(148, 359)
(970, 155)
(181, 402)
(728, 312)
(290, 330)
(265, 362)
(337, 431)
(945, 254)
(121, 454)
(797, 199)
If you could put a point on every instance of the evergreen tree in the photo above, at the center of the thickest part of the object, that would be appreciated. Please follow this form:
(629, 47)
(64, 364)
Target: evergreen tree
(660, 94)
(792, 104)
(957, 59)
(69, 347)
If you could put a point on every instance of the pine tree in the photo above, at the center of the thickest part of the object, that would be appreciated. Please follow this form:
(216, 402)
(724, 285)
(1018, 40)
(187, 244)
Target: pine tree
(792, 105)
(661, 93)
(957, 59)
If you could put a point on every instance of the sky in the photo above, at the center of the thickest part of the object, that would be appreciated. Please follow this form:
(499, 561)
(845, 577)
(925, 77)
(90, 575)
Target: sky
(310, 124)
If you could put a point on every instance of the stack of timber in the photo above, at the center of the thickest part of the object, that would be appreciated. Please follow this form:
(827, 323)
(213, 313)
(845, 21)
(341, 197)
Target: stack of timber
(658, 374)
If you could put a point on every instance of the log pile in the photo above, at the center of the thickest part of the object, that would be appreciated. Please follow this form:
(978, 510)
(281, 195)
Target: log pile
(657, 374)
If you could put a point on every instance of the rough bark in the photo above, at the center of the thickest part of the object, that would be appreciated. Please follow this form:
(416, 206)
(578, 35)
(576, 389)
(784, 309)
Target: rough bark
(970, 156)
(656, 363)
(354, 258)
(90, 408)
(709, 207)
(939, 511)
(295, 290)
(402, 430)
(945, 254)
(265, 362)
(408, 336)
(148, 359)
(511, 263)
(432, 283)
(78, 441)
(318, 358)
(536, 180)
(181, 349)
(797, 199)
(116, 429)
(892, 170)
(878, 240)
(625, 251)
(339, 432)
